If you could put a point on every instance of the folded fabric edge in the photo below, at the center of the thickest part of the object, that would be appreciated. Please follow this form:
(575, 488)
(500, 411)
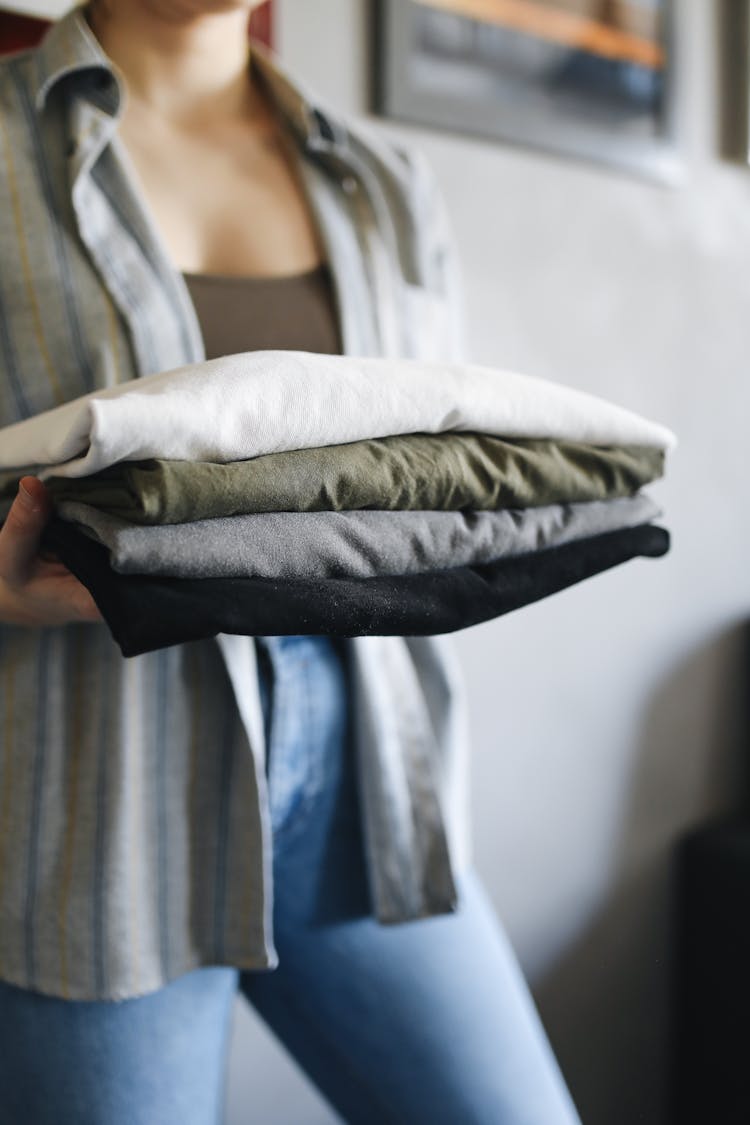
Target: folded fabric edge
(654, 541)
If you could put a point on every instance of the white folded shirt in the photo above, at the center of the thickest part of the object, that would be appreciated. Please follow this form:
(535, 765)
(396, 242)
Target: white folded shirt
(251, 403)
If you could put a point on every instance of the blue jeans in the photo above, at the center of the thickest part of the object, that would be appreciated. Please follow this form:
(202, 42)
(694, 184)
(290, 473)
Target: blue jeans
(427, 1021)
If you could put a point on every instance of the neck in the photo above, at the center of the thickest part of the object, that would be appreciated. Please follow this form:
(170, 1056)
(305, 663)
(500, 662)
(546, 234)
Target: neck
(189, 69)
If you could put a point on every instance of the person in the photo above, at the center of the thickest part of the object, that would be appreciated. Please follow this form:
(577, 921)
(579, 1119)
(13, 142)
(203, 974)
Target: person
(280, 816)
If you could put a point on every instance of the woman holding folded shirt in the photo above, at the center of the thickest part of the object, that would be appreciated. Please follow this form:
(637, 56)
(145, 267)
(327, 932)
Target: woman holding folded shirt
(225, 815)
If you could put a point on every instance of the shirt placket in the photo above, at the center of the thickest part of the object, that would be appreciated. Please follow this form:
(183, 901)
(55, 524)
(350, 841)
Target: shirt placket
(134, 266)
(124, 243)
(404, 832)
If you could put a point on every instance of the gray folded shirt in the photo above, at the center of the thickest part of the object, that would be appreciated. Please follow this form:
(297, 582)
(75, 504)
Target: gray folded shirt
(360, 544)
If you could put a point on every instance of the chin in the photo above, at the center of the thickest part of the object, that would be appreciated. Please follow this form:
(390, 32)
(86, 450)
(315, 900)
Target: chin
(175, 9)
(204, 7)
(209, 6)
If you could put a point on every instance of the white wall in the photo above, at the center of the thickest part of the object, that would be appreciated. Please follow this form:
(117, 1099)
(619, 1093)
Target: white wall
(608, 719)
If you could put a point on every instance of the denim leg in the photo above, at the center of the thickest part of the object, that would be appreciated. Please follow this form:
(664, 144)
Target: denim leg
(156, 1059)
(429, 1022)
(425, 1022)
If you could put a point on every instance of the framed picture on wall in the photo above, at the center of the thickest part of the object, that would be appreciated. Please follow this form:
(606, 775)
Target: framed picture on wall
(585, 78)
(734, 73)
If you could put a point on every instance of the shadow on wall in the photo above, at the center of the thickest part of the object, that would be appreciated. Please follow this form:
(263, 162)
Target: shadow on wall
(606, 1003)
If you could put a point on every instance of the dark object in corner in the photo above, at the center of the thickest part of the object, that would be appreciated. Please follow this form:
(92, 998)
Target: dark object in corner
(711, 981)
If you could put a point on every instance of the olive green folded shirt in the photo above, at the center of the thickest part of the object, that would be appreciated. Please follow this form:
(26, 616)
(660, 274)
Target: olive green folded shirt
(415, 472)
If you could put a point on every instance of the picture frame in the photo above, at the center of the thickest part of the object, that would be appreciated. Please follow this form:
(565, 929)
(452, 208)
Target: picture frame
(551, 75)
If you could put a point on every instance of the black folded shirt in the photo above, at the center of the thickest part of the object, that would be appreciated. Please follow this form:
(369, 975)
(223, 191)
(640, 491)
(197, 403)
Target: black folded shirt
(145, 612)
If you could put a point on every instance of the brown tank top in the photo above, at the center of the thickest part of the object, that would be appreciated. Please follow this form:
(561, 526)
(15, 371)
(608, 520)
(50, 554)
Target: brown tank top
(242, 314)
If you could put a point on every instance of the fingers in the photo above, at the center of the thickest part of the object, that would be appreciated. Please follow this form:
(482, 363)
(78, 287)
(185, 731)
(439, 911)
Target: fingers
(34, 592)
(22, 531)
(85, 606)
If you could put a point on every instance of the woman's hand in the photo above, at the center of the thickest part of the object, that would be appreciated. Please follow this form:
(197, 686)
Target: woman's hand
(33, 591)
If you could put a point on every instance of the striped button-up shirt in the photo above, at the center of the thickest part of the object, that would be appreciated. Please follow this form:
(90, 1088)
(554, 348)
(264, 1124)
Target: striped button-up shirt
(135, 839)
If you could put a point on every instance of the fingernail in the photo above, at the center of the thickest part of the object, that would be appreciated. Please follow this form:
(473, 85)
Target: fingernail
(27, 498)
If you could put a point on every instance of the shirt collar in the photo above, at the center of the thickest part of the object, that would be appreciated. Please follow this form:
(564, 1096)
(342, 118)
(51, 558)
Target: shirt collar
(70, 55)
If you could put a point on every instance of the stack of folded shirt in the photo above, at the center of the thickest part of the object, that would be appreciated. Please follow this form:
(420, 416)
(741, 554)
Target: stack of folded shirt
(291, 492)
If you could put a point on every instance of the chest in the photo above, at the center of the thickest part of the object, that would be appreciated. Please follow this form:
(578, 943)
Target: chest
(96, 305)
(227, 201)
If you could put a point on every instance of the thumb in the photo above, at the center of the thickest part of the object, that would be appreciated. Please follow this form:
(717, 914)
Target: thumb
(22, 530)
